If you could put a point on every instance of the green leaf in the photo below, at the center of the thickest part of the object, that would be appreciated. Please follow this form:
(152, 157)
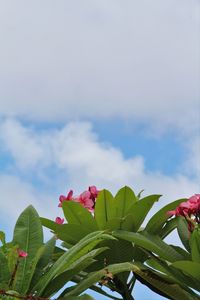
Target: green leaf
(124, 198)
(183, 232)
(28, 236)
(156, 223)
(176, 275)
(190, 268)
(119, 251)
(195, 245)
(125, 223)
(59, 281)
(12, 256)
(105, 209)
(70, 233)
(168, 228)
(98, 276)
(151, 243)
(140, 209)
(75, 213)
(69, 257)
(113, 224)
(2, 237)
(186, 255)
(45, 255)
(160, 284)
(4, 270)
(158, 265)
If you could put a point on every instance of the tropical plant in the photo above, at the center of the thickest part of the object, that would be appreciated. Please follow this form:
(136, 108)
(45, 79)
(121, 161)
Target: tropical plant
(104, 242)
(125, 211)
(31, 269)
(137, 254)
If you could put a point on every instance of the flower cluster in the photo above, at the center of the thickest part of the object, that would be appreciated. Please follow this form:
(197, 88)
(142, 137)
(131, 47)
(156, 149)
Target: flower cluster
(190, 210)
(87, 199)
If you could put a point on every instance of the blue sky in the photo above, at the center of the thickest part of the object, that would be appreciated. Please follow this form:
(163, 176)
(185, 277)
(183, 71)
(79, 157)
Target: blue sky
(97, 92)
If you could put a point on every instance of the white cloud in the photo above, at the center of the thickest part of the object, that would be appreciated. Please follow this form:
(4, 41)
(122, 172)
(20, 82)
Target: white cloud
(15, 196)
(23, 145)
(101, 59)
(78, 159)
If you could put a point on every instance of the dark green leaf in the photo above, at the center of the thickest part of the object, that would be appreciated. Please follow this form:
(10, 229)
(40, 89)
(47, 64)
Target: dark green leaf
(168, 228)
(59, 281)
(195, 245)
(151, 243)
(183, 232)
(68, 258)
(45, 254)
(189, 268)
(97, 276)
(161, 284)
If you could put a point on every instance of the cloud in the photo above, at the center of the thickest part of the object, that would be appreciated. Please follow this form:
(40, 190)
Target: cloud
(73, 157)
(98, 59)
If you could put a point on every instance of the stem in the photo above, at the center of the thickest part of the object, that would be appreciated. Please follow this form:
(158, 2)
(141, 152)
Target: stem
(13, 274)
(127, 295)
(27, 297)
(123, 289)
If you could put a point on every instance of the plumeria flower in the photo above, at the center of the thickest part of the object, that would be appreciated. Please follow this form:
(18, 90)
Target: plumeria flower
(182, 210)
(194, 203)
(22, 253)
(63, 198)
(190, 210)
(93, 192)
(59, 220)
(85, 200)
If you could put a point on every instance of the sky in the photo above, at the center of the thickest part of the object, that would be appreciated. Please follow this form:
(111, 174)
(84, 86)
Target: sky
(101, 93)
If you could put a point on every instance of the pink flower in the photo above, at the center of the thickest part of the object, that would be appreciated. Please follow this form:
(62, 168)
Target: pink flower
(93, 192)
(22, 253)
(190, 210)
(194, 203)
(85, 200)
(65, 198)
(58, 220)
(182, 210)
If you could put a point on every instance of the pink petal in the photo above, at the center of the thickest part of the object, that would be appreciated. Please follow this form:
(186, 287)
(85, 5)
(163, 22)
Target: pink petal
(58, 220)
(69, 195)
(93, 190)
(171, 213)
(63, 198)
(22, 253)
